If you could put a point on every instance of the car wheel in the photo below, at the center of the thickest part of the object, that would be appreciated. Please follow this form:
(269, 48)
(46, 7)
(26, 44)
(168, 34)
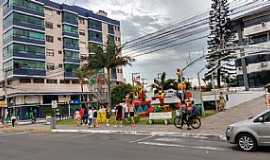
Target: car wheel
(246, 142)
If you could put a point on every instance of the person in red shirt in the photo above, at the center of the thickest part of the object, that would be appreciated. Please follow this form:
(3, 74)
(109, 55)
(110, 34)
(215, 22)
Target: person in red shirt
(82, 110)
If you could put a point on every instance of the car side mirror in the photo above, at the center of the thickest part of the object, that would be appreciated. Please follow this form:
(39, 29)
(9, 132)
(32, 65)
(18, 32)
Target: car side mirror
(250, 117)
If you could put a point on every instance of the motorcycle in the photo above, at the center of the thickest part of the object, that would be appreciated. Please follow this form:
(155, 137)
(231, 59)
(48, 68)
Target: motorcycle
(181, 119)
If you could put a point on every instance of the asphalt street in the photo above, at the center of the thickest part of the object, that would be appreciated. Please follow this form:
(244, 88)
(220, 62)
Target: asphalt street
(26, 146)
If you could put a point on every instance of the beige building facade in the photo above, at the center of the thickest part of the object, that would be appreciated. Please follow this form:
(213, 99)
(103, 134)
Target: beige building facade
(43, 43)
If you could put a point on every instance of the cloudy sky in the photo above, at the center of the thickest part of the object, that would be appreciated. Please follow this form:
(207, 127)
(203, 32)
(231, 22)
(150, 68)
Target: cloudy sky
(140, 17)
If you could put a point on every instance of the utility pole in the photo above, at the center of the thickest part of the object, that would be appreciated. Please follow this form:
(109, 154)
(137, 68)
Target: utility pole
(243, 61)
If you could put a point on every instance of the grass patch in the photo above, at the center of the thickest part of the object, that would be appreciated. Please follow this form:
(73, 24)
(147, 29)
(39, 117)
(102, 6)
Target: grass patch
(66, 122)
(209, 113)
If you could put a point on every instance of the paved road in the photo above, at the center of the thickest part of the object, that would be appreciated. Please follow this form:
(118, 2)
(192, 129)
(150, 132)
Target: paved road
(117, 147)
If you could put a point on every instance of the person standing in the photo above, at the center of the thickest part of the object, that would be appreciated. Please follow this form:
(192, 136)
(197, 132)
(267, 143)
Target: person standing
(13, 120)
(222, 102)
(90, 118)
(82, 114)
(95, 115)
(77, 117)
(108, 116)
(119, 115)
(131, 109)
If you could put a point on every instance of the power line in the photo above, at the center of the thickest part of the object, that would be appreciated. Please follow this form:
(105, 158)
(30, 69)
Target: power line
(159, 35)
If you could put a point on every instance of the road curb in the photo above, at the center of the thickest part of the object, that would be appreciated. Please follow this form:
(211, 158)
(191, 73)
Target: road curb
(215, 137)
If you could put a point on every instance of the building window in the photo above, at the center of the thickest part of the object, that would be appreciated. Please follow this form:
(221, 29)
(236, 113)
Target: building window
(51, 81)
(23, 34)
(58, 12)
(38, 80)
(23, 20)
(59, 52)
(28, 64)
(81, 20)
(49, 25)
(111, 29)
(49, 52)
(60, 65)
(71, 43)
(95, 36)
(94, 24)
(70, 18)
(70, 29)
(71, 55)
(59, 39)
(29, 6)
(59, 25)
(50, 67)
(25, 80)
(49, 38)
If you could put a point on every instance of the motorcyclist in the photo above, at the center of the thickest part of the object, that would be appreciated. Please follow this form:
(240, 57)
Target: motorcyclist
(189, 108)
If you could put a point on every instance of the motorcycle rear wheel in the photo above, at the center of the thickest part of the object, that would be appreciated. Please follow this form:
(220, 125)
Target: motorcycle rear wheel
(195, 123)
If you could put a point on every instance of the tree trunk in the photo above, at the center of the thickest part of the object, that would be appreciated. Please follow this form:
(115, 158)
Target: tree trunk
(82, 92)
(109, 87)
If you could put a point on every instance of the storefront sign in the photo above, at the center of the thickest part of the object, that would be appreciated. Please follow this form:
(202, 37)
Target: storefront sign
(3, 104)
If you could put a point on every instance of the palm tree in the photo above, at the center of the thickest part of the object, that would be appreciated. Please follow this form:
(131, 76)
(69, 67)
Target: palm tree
(108, 58)
(82, 74)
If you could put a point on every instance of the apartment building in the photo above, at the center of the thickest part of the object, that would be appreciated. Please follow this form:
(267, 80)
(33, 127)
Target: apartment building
(43, 43)
(253, 31)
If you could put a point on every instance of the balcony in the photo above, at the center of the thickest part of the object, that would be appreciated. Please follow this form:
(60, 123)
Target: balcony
(27, 40)
(28, 25)
(68, 60)
(23, 9)
(29, 72)
(71, 34)
(29, 55)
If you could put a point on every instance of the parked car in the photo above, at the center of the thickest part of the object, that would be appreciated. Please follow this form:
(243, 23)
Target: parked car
(251, 133)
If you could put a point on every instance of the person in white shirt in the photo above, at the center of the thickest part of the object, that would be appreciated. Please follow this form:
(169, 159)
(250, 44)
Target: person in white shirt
(90, 118)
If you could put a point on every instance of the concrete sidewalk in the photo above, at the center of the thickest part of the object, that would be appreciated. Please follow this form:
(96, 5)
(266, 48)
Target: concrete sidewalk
(213, 126)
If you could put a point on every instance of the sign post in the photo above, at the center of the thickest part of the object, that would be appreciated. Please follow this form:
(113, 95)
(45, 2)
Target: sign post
(53, 118)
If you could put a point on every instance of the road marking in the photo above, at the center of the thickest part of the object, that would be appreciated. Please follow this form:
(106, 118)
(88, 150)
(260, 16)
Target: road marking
(182, 146)
(142, 139)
